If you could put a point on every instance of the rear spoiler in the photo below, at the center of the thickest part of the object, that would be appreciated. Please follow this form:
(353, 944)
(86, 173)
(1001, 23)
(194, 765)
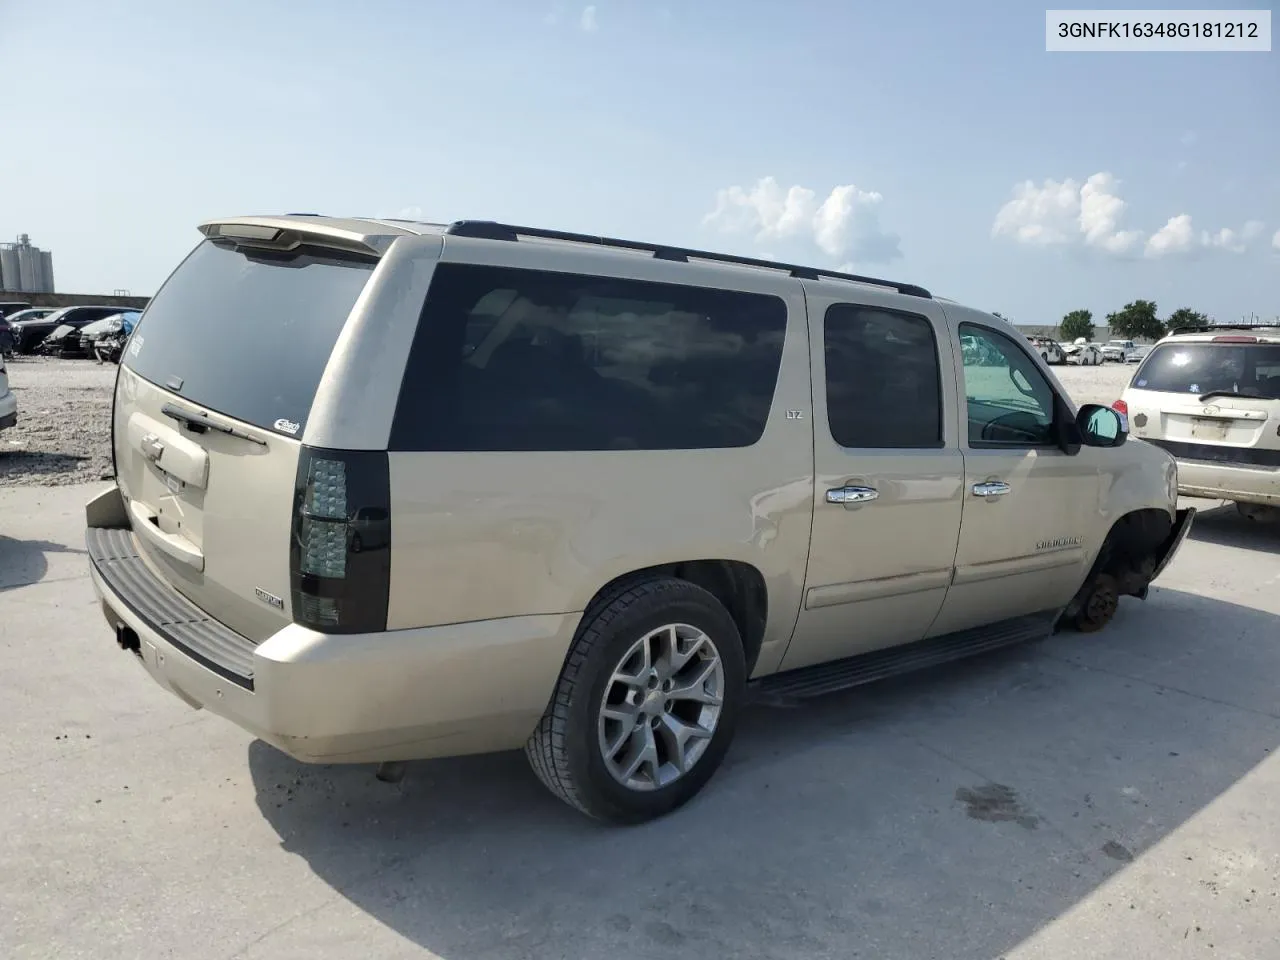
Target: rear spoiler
(288, 233)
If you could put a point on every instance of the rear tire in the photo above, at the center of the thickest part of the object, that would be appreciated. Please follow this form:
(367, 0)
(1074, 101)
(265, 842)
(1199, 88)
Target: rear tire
(651, 671)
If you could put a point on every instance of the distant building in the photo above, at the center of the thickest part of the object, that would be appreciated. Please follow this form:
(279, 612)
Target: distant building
(1101, 332)
(24, 268)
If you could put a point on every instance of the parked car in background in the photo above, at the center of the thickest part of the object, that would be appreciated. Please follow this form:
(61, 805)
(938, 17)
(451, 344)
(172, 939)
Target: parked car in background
(1083, 353)
(16, 310)
(1212, 399)
(31, 313)
(1139, 353)
(1118, 351)
(29, 334)
(103, 338)
(1049, 349)
(976, 351)
(10, 307)
(438, 521)
(63, 342)
(8, 402)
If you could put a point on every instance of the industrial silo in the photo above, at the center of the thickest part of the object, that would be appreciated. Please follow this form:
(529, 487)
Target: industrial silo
(46, 268)
(10, 274)
(28, 265)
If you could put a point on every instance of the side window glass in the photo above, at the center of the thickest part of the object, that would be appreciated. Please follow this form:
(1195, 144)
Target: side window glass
(1010, 403)
(519, 360)
(883, 378)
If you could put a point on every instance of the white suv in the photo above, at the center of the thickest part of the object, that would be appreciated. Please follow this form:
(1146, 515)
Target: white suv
(1211, 397)
(1119, 350)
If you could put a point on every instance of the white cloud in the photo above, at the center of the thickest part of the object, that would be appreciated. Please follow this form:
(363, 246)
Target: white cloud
(413, 212)
(1176, 236)
(1100, 211)
(1189, 138)
(1234, 241)
(588, 21)
(1091, 213)
(846, 223)
(1040, 215)
(1067, 211)
(1275, 241)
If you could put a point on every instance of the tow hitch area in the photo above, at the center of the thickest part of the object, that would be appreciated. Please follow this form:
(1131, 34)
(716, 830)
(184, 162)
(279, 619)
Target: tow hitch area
(127, 639)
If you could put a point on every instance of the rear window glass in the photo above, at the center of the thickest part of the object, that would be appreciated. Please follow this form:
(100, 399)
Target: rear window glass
(1199, 368)
(508, 359)
(247, 334)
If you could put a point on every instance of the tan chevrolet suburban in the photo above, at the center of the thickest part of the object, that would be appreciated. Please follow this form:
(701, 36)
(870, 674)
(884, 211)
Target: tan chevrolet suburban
(391, 490)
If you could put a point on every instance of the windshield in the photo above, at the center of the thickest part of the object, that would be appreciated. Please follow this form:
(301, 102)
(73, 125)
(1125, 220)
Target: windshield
(1245, 368)
(248, 333)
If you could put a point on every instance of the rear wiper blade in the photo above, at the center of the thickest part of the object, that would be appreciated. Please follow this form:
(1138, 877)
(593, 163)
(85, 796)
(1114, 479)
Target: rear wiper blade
(205, 422)
(1247, 394)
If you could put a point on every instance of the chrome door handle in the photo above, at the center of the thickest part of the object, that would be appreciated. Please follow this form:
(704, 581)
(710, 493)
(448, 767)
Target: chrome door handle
(852, 494)
(991, 488)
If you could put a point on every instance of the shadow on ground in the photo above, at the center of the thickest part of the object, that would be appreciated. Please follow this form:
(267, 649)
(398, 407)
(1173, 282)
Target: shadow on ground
(950, 814)
(1224, 526)
(26, 561)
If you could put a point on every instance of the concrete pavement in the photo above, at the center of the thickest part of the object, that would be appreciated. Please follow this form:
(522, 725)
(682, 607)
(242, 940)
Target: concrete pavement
(1095, 797)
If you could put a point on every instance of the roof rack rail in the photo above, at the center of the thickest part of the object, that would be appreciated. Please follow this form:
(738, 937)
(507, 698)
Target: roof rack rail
(489, 230)
(1210, 327)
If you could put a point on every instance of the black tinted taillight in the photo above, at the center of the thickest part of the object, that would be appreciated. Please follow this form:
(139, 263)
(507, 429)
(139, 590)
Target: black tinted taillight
(340, 546)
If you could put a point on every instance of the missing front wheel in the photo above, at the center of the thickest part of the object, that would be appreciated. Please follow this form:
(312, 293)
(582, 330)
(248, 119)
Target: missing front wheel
(1094, 605)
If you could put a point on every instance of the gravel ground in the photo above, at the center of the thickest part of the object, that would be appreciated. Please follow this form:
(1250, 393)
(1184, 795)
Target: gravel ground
(1100, 384)
(64, 410)
(64, 423)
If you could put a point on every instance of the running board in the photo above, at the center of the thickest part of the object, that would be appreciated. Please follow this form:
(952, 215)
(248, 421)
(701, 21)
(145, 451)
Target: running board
(825, 678)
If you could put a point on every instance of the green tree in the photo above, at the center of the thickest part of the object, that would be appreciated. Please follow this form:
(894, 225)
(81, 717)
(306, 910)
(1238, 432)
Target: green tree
(1184, 317)
(1136, 321)
(1076, 324)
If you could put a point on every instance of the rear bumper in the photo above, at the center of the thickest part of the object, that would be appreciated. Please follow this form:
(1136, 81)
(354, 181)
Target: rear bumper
(1227, 482)
(355, 698)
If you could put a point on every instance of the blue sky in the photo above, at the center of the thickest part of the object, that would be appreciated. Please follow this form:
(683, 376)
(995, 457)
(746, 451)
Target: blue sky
(898, 138)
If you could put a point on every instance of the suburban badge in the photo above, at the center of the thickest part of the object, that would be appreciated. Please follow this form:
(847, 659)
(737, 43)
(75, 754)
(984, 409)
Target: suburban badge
(1057, 543)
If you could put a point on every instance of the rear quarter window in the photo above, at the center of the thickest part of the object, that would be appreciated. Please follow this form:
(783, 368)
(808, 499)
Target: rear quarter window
(521, 360)
(1201, 367)
(248, 333)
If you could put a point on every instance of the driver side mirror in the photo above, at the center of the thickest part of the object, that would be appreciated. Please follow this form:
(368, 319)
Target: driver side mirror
(1101, 426)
